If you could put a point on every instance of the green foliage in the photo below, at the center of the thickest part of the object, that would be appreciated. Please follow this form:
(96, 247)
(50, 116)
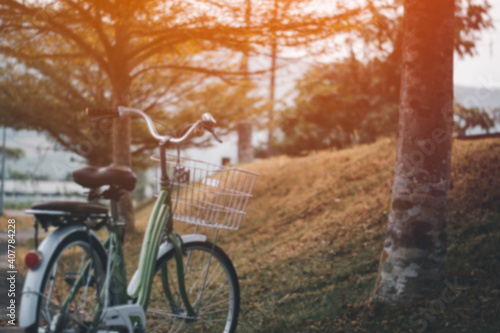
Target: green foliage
(469, 118)
(62, 56)
(16, 175)
(471, 16)
(380, 29)
(353, 101)
(341, 104)
(13, 153)
(51, 100)
(227, 103)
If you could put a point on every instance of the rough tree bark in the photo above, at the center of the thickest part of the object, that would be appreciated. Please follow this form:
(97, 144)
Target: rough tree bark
(245, 148)
(413, 260)
(122, 154)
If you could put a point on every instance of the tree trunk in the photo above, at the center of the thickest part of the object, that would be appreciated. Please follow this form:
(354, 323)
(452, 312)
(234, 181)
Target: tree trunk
(413, 260)
(245, 148)
(121, 147)
(272, 84)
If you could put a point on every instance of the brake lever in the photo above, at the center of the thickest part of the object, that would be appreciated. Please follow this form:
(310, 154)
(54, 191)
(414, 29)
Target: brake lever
(216, 137)
(208, 122)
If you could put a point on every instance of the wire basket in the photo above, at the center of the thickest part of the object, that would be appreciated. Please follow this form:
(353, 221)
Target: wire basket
(208, 194)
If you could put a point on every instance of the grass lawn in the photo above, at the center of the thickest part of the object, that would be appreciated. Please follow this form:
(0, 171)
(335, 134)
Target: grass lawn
(307, 252)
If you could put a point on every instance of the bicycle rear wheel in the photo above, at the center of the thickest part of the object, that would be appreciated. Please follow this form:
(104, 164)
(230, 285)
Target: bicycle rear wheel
(77, 267)
(212, 287)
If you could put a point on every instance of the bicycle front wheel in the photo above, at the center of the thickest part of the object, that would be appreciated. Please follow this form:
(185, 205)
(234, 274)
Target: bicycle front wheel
(212, 288)
(71, 286)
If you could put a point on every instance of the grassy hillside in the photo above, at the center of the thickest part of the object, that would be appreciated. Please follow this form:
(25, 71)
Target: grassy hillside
(307, 252)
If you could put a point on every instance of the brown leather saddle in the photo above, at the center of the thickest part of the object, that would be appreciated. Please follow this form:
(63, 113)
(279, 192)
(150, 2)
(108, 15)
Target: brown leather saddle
(93, 177)
(59, 213)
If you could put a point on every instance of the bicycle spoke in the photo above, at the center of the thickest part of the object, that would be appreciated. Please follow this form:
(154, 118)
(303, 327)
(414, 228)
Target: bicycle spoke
(212, 312)
(201, 274)
(208, 289)
(216, 303)
(211, 282)
(85, 290)
(213, 295)
(212, 320)
(212, 278)
(74, 273)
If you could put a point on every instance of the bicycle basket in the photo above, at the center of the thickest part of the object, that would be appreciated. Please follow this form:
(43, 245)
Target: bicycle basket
(208, 194)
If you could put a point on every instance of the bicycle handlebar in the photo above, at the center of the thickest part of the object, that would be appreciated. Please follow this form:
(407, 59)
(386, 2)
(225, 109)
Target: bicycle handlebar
(207, 122)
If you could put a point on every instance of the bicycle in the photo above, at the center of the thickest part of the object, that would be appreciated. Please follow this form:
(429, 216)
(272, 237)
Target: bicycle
(76, 283)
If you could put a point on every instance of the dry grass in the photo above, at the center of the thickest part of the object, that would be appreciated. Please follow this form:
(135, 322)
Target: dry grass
(326, 196)
(307, 251)
(310, 243)
(23, 222)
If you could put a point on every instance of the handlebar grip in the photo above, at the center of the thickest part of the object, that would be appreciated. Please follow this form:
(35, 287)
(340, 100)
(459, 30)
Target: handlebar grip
(101, 111)
(208, 119)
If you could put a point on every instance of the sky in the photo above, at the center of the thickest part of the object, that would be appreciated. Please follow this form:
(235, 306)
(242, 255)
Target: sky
(481, 72)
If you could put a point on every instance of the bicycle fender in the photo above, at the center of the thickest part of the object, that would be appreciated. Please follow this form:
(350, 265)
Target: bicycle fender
(34, 278)
(164, 248)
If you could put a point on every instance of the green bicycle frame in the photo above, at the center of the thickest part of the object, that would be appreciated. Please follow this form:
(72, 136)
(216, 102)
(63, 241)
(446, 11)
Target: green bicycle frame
(160, 220)
(160, 224)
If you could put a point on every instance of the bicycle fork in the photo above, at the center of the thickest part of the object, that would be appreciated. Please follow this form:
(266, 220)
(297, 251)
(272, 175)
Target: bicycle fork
(176, 242)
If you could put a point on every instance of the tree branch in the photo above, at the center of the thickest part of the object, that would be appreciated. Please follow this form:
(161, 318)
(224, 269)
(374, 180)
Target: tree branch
(212, 72)
(62, 30)
(17, 55)
(98, 28)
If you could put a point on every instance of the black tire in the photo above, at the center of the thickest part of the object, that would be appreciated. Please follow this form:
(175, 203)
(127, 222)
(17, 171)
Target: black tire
(65, 265)
(217, 308)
